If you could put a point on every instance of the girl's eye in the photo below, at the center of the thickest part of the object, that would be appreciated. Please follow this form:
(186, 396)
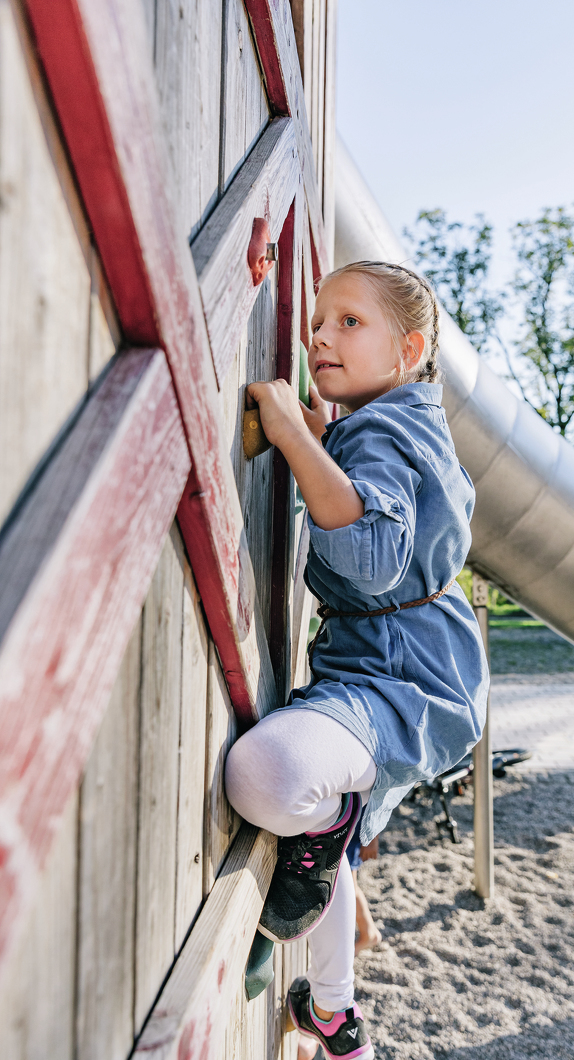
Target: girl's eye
(316, 328)
(351, 321)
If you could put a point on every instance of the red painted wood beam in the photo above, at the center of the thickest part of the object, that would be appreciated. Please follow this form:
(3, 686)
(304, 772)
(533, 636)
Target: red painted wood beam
(75, 566)
(274, 35)
(97, 64)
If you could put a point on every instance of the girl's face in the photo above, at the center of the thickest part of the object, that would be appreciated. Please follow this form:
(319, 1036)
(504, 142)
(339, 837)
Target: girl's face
(352, 358)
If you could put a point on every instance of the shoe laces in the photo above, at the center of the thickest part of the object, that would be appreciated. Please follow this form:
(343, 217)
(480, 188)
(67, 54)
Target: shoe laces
(296, 855)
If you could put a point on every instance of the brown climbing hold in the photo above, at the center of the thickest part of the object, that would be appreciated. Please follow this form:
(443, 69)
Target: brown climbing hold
(254, 440)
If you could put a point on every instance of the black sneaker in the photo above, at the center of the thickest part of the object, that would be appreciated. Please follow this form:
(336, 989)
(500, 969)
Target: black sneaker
(343, 1036)
(303, 883)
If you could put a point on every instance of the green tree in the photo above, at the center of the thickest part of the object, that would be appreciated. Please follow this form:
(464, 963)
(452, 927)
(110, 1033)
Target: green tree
(544, 288)
(456, 259)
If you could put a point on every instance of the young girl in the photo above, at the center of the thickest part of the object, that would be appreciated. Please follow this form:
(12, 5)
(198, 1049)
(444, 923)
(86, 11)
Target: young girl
(399, 676)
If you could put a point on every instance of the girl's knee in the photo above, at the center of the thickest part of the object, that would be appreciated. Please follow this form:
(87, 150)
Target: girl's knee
(258, 781)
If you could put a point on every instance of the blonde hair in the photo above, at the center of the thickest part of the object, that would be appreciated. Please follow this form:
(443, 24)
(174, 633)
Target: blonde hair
(409, 304)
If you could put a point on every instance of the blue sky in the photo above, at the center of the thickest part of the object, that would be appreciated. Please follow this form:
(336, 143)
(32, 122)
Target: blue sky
(467, 106)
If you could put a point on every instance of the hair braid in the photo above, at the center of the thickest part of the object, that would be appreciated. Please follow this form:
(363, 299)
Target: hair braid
(409, 303)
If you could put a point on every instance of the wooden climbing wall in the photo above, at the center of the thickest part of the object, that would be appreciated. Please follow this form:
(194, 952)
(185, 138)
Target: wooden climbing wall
(153, 597)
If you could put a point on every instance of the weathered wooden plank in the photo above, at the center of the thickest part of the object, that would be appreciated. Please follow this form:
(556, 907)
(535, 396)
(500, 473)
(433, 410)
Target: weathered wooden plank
(246, 109)
(107, 876)
(110, 115)
(317, 115)
(302, 606)
(330, 130)
(277, 47)
(264, 187)
(37, 987)
(221, 823)
(288, 330)
(302, 13)
(104, 336)
(188, 43)
(255, 359)
(186, 1020)
(158, 776)
(192, 736)
(44, 307)
(295, 961)
(75, 564)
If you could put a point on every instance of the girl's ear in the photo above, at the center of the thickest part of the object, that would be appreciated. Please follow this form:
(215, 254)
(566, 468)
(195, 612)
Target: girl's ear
(413, 349)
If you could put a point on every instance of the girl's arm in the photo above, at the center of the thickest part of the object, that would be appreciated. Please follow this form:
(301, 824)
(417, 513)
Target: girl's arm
(329, 494)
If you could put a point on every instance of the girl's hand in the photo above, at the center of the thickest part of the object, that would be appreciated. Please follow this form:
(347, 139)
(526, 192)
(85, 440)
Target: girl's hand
(318, 415)
(279, 410)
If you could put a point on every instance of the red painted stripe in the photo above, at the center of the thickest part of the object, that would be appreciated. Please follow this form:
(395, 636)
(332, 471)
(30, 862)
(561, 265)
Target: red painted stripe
(262, 20)
(65, 53)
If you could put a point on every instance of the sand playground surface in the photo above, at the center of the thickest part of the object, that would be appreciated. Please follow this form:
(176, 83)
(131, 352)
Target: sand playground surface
(457, 977)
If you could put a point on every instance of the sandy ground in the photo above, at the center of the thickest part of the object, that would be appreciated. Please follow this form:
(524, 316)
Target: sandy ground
(455, 976)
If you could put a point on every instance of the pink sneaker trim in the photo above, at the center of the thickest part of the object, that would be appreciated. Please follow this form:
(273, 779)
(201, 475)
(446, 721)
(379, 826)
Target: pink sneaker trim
(339, 823)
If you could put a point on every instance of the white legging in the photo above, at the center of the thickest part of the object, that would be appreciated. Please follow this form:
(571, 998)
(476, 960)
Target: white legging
(287, 775)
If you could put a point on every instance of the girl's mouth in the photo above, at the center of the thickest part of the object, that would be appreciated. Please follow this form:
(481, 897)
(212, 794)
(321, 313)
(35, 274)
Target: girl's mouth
(323, 365)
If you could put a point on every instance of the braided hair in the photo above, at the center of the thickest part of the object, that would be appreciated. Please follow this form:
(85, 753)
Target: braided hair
(409, 304)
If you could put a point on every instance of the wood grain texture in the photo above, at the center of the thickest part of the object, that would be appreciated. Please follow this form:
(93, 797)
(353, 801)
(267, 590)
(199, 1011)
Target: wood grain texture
(221, 822)
(192, 738)
(104, 334)
(277, 47)
(186, 1020)
(37, 987)
(264, 187)
(301, 612)
(107, 873)
(317, 113)
(295, 962)
(330, 131)
(75, 564)
(44, 277)
(187, 46)
(110, 115)
(246, 109)
(158, 776)
(288, 329)
(255, 359)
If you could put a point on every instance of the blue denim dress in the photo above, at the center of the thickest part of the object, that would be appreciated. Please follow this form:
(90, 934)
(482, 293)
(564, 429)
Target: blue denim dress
(412, 685)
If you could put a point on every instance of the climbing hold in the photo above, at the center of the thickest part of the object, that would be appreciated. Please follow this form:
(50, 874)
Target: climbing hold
(259, 971)
(304, 377)
(254, 440)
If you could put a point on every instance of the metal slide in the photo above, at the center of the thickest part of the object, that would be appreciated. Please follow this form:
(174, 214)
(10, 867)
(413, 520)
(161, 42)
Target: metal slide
(523, 525)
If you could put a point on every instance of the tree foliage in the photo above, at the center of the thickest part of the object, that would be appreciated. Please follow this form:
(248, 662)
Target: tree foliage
(540, 356)
(544, 286)
(456, 259)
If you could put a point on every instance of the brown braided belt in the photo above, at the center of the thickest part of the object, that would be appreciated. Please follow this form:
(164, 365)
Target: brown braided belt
(325, 612)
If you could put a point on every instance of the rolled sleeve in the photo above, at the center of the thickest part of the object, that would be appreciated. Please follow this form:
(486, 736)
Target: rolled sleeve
(373, 552)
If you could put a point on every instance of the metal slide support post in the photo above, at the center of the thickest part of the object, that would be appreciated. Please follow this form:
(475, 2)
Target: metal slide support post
(482, 759)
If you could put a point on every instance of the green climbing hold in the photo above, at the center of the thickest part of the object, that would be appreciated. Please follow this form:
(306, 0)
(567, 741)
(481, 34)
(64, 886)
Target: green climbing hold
(259, 972)
(304, 377)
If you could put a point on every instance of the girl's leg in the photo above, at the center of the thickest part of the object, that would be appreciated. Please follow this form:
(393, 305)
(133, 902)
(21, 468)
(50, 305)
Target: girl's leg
(288, 772)
(332, 948)
(369, 934)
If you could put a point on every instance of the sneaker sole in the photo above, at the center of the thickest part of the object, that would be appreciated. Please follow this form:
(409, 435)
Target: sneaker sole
(368, 1052)
(285, 942)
